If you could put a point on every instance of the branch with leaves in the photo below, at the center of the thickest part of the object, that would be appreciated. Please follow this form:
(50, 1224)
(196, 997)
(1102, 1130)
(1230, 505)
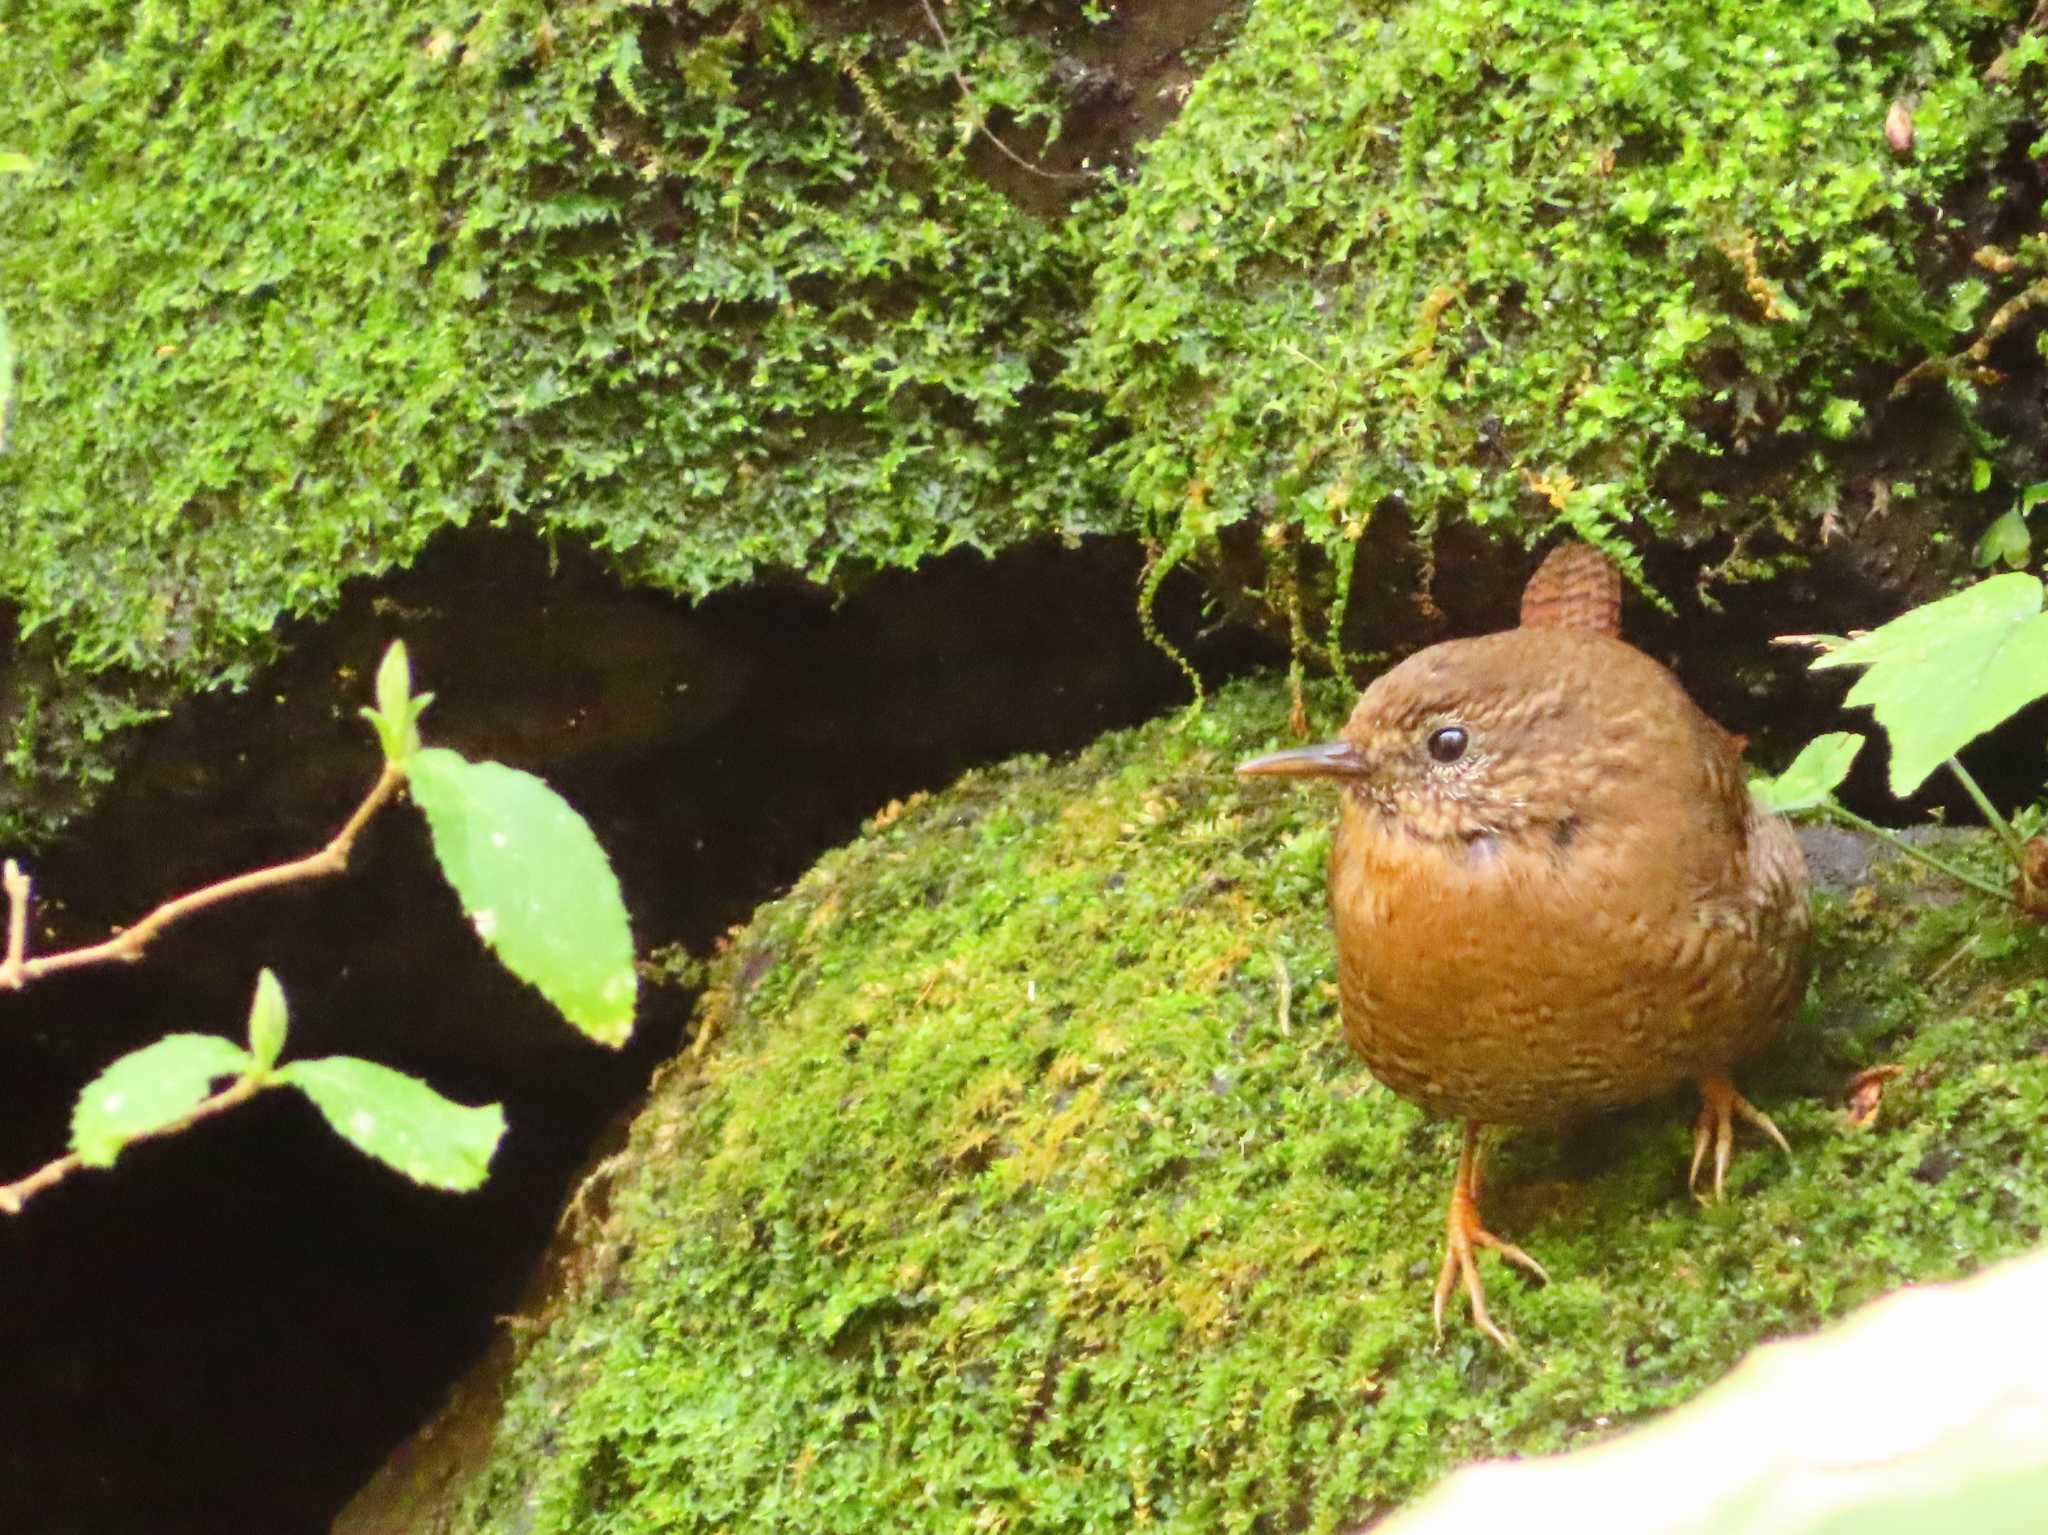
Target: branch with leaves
(535, 884)
(1935, 678)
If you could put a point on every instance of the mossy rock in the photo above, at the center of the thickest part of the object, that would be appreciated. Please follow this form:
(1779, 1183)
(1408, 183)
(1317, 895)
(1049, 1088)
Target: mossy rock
(742, 289)
(1019, 1179)
(715, 288)
(1649, 271)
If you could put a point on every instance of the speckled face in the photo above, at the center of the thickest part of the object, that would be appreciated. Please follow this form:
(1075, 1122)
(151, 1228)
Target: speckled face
(1491, 736)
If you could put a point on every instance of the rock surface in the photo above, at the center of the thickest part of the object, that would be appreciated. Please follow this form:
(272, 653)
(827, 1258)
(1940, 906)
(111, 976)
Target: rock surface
(1019, 1177)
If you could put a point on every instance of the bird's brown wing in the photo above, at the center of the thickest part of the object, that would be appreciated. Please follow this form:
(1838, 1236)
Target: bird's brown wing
(1576, 587)
(1752, 927)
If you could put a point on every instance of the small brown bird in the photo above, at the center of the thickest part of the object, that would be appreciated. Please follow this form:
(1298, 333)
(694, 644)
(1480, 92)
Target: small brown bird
(1553, 892)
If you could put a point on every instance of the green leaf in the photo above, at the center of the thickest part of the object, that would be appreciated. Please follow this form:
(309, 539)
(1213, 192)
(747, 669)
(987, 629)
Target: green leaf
(147, 1089)
(2007, 540)
(267, 1017)
(14, 163)
(536, 885)
(1943, 674)
(1813, 775)
(401, 1121)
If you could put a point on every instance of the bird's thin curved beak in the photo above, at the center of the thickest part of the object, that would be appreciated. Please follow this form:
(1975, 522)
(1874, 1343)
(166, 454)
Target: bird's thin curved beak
(1331, 759)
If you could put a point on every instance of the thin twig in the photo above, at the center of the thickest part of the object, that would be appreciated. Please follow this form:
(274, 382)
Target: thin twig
(2008, 314)
(1820, 642)
(130, 942)
(1962, 876)
(14, 1195)
(1998, 823)
(17, 925)
(982, 127)
(1950, 963)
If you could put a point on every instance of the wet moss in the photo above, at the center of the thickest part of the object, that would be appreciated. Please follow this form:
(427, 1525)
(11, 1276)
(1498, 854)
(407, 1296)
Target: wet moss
(714, 289)
(1650, 272)
(741, 288)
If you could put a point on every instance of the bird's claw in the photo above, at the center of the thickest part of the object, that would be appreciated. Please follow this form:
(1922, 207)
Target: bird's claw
(1720, 1106)
(1463, 1236)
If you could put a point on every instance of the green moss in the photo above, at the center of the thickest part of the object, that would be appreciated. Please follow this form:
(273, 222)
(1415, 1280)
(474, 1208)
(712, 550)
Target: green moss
(1545, 260)
(713, 287)
(1022, 1181)
(719, 288)
(60, 744)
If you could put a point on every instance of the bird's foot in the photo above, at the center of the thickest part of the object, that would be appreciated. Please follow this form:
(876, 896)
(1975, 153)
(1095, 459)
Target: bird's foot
(1463, 1237)
(1720, 1106)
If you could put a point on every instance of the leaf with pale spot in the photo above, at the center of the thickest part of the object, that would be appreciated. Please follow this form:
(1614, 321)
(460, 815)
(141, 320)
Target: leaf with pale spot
(1813, 775)
(147, 1089)
(401, 1121)
(1940, 676)
(536, 885)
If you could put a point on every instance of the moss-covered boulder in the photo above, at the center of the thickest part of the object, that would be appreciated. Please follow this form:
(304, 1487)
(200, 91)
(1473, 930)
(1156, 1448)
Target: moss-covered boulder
(716, 287)
(744, 287)
(1019, 1179)
(1651, 271)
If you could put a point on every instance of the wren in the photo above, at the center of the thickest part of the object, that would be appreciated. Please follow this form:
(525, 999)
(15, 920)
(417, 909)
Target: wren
(1552, 889)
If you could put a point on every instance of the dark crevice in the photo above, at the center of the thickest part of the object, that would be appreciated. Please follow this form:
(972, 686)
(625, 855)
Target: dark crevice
(232, 1329)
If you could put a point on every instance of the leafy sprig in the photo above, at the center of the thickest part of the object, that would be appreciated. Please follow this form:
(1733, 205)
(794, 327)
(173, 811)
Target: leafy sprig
(530, 874)
(398, 1119)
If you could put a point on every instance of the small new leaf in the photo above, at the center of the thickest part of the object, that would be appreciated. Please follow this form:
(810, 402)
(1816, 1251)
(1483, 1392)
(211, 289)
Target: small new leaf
(147, 1089)
(394, 681)
(401, 1121)
(536, 885)
(387, 739)
(267, 1018)
(2006, 540)
(1813, 776)
(1940, 676)
(396, 717)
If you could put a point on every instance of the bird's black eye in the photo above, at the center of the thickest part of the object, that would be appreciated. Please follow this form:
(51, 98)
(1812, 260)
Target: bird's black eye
(1447, 744)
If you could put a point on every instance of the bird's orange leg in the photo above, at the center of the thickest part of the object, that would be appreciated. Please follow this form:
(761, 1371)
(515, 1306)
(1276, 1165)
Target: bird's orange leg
(1720, 1106)
(1463, 1235)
